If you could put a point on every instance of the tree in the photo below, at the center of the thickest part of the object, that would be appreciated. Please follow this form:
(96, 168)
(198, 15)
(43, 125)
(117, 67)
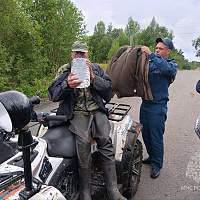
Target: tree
(117, 43)
(4, 69)
(131, 30)
(114, 32)
(122, 39)
(60, 24)
(103, 49)
(36, 38)
(19, 42)
(99, 28)
(196, 44)
(115, 46)
(109, 29)
(99, 43)
(180, 59)
(154, 30)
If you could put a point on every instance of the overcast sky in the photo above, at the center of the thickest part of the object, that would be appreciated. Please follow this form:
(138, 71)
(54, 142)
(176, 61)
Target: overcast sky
(180, 16)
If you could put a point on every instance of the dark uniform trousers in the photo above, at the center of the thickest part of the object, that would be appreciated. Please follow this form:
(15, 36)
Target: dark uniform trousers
(153, 117)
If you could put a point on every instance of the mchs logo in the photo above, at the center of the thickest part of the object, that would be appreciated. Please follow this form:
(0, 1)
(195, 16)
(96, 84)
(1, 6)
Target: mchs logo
(193, 168)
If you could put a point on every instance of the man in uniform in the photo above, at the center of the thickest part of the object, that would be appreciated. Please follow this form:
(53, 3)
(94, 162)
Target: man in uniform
(153, 114)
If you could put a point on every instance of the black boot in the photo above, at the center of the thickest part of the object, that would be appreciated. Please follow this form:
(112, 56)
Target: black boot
(111, 180)
(84, 169)
(84, 183)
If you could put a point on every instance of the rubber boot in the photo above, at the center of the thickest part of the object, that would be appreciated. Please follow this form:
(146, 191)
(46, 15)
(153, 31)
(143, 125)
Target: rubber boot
(110, 178)
(84, 183)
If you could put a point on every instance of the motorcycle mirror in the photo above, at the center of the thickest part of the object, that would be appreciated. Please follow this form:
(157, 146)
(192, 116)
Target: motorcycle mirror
(5, 121)
(35, 100)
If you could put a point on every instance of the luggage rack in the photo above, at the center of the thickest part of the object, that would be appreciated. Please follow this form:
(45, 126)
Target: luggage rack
(117, 111)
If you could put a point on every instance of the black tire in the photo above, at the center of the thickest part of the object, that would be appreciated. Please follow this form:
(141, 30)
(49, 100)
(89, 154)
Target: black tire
(135, 168)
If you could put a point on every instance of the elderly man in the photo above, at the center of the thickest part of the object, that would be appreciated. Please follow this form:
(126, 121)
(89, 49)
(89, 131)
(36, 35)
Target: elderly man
(153, 114)
(87, 116)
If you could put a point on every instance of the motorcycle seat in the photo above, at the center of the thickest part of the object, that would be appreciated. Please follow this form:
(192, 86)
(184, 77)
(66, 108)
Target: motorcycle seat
(60, 142)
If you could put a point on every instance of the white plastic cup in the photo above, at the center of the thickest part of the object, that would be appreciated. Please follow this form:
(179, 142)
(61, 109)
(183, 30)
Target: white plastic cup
(81, 70)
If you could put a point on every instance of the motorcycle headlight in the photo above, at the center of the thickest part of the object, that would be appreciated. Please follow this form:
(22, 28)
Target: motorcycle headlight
(18, 108)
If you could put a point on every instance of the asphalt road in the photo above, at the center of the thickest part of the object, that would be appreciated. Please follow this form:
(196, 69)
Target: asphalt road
(182, 146)
(180, 176)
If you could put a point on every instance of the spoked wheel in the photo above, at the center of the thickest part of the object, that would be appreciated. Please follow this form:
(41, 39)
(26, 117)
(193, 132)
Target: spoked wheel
(135, 167)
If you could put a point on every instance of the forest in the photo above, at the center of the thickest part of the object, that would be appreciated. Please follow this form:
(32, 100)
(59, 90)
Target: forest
(36, 38)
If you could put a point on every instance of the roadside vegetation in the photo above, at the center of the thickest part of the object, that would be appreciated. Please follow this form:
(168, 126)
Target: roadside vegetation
(36, 37)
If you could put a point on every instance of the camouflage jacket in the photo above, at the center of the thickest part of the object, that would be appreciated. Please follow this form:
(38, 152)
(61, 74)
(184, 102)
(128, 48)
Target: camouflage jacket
(59, 91)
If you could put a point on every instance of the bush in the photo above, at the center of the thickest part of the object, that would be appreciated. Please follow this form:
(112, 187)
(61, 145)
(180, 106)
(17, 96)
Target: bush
(38, 87)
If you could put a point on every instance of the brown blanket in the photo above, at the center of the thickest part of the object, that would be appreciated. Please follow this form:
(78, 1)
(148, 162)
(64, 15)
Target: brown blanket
(129, 73)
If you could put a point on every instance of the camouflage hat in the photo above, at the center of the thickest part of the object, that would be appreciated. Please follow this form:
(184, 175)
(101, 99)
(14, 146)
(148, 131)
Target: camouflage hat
(80, 46)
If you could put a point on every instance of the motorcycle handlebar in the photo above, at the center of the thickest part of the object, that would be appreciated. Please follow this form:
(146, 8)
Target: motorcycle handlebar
(62, 118)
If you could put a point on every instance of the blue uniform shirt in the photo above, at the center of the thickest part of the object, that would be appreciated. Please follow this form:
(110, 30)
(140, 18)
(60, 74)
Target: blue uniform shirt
(161, 73)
